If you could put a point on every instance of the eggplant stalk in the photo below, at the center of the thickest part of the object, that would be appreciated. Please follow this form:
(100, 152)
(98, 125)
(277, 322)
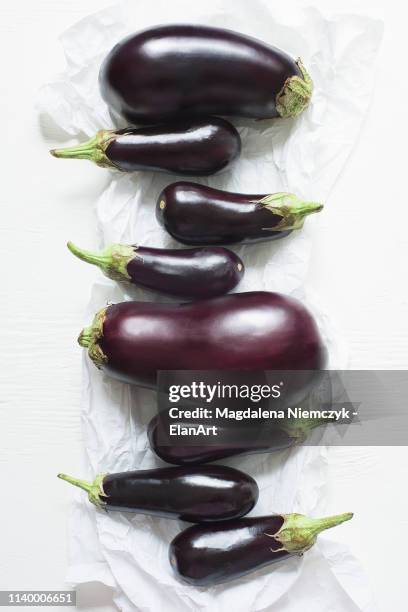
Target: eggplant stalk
(89, 336)
(300, 429)
(295, 95)
(292, 209)
(112, 261)
(93, 149)
(298, 532)
(94, 489)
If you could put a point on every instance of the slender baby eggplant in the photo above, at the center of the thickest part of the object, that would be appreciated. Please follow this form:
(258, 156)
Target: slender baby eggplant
(186, 70)
(194, 147)
(194, 494)
(203, 555)
(258, 330)
(195, 214)
(233, 438)
(187, 273)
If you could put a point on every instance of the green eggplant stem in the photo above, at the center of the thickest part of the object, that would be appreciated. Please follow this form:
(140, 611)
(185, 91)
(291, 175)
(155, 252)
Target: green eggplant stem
(112, 261)
(290, 208)
(321, 524)
(301, 428)
(296, 93)
(90, 336)
(82, 484)
(97, 259)
(298, 532)
(94, 489)
(85, 337)
(93, 149)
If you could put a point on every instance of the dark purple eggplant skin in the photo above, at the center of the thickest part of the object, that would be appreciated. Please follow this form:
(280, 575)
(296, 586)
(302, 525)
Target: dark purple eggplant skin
(193, 494)
(257, 330)
(188, 70)
(259, 440)
(193, 147)
(198, 273)
(198, 147)
(203, 557)
(190, 494)
(195, 214)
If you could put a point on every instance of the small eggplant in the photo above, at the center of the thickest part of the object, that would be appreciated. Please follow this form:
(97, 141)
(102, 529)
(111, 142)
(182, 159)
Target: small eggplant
(187, 70)
(198, 147)
(258, 330)
(233, 438)
(187, 273)
(195, 214)
(194, 494)
(204, 555)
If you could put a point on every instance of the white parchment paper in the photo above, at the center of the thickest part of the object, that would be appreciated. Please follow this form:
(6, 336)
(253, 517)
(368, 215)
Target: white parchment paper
(306, 155)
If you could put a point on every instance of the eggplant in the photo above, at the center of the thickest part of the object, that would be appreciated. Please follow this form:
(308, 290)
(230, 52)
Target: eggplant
(204, 555)
(193, 147)
(187, 273)
(196, 214)
(188, 70)
(257, 330)
(233, 438)
(194, 494)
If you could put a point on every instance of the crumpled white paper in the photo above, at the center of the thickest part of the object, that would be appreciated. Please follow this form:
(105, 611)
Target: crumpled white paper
(306, 155)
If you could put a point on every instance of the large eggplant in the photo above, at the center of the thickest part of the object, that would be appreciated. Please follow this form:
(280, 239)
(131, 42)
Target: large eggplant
(198, 147)
(203, 555)
(187, 273)
(195, 214)
(195, 494)
(258, 330)
(233, 438)
(187, 70)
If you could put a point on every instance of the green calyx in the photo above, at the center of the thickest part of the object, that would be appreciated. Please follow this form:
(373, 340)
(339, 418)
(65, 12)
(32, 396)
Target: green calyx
(298, 532)
(94, 489)
(299, 429)
(89, 337)
(112, 261)
(292, 209)
(295, 95)
(94, 149)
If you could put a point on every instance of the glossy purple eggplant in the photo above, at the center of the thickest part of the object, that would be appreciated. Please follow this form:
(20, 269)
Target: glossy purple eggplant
(258, 330)
(204, 555)
(196, 214)
(233, 438)
(194, 147)
(186, 70)
(194, 494)
(187, 273)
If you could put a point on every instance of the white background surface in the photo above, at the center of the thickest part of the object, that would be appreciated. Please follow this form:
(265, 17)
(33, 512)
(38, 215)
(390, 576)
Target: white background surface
(358, 271)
